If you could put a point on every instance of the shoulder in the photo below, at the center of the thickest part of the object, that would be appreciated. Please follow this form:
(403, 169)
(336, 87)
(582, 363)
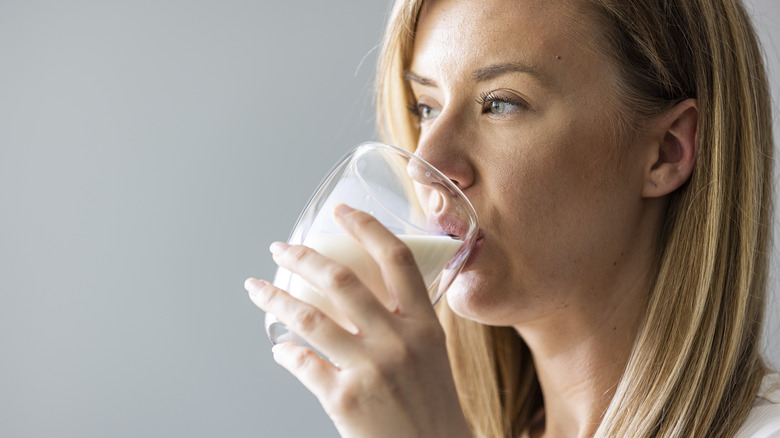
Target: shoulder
(764, 418)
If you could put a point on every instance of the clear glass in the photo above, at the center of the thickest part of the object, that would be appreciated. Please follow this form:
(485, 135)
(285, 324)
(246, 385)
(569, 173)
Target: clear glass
(407, 195)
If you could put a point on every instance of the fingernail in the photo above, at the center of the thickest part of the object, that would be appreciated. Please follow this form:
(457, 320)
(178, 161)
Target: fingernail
(248, 283)
(278, 248)
(342, 209)
(253, 286)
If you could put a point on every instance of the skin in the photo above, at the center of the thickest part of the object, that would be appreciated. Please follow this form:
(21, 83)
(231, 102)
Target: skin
(393, 376)
(519, 112)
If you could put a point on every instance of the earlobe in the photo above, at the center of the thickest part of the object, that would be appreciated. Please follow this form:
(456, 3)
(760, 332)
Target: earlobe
(674, 150)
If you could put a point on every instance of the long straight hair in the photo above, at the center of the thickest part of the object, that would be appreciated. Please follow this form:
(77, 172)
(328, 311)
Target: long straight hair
(696, 365)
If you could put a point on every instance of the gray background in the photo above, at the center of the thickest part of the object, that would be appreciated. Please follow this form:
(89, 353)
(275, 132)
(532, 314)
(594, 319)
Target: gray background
(149, 152)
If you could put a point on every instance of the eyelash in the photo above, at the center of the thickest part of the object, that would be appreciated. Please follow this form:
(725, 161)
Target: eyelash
(484, 99)
(414, 108)
(489, 97)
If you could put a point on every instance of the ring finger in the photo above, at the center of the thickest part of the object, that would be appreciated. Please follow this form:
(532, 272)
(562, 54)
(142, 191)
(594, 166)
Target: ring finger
(306, 320)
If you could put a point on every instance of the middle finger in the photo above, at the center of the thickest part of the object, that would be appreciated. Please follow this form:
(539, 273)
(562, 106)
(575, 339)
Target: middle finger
(351, 298)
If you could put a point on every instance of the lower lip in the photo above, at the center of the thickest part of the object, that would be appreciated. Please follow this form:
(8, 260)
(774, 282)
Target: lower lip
(474, 251)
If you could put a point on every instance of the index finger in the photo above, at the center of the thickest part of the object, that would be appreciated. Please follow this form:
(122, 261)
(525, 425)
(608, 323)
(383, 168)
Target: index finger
(400, 272)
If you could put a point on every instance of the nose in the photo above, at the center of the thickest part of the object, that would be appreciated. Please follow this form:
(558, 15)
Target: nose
(445, 145)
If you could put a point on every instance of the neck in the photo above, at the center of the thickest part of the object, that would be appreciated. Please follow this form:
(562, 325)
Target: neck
(581, 352)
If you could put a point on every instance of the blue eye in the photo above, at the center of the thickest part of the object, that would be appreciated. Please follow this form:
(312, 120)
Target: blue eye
(500, 105)
(424, 112)
(427, 112)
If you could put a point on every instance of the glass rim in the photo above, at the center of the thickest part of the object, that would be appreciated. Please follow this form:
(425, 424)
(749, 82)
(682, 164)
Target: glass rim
(377, 145)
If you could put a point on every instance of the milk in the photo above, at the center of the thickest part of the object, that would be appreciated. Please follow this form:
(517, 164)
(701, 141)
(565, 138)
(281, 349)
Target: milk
(430, 252)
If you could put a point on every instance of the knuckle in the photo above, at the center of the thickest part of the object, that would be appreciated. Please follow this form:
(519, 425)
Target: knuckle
(397, 354)
(307, 319)
(401, 352)
(362, 220)
(298, 252)
(269, 296)
(346, 398)
(303, 358)
(404, 355)
(340, 276)
(400, 255)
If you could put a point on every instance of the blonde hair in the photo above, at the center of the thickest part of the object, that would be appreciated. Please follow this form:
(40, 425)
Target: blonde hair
(696, 364)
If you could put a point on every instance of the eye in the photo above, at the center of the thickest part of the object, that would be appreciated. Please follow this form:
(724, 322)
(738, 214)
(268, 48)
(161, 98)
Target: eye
(496, 105)
(500, 107)
(423, 112)
(427, 112)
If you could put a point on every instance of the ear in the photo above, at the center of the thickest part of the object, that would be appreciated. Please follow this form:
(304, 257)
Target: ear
(673, 149)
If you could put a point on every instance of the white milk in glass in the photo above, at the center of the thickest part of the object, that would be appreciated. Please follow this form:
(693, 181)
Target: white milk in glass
(430, 252)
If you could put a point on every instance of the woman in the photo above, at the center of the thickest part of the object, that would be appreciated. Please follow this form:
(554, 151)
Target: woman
(618, 154)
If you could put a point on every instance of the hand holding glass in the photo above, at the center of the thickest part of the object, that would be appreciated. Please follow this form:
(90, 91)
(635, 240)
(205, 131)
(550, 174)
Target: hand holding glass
(411, 198)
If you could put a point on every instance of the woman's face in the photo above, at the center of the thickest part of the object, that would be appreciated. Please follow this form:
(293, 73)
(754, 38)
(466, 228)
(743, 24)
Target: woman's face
(518, 109)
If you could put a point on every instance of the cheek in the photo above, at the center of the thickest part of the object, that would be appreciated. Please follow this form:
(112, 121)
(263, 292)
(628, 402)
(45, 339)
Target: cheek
(567, 162)
(556, 196)
(547, 180)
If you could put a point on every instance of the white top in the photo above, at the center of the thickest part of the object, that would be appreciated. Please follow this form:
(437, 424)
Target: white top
(764, 419)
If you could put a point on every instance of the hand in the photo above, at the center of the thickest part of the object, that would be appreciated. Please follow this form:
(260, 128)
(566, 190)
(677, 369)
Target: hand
(393, 377)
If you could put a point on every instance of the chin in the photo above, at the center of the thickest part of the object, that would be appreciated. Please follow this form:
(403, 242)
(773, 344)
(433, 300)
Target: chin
(470, 297)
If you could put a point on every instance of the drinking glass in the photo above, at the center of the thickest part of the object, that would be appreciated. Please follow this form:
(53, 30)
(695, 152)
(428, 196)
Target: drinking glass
(411, 198)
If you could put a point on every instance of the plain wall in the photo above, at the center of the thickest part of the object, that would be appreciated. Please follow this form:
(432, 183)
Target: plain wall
(149, 153)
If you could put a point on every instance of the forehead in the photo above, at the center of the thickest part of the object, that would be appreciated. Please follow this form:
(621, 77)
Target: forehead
(468, 34)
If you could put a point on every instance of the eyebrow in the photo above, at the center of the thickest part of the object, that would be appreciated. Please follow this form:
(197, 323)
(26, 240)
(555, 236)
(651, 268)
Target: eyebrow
(493, 71)
(483, 74)
(411, 77)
